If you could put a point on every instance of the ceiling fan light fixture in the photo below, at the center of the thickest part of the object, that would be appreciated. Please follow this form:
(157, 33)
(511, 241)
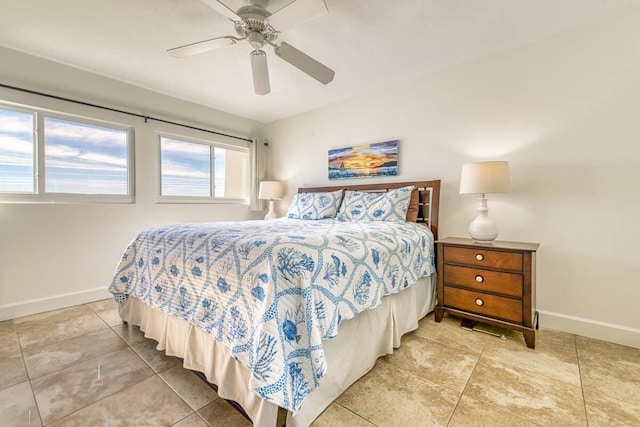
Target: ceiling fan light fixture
(256, 40)
(260, 72)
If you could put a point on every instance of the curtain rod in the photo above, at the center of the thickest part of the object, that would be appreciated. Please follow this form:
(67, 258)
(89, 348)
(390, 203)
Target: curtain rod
(146, 118)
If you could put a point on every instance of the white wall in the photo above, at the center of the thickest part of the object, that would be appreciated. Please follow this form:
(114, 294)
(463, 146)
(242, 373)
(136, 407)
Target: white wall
(565, 112)
(56, 255)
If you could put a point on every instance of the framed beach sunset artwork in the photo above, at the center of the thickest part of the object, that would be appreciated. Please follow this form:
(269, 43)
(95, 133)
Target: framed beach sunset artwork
(360, 161)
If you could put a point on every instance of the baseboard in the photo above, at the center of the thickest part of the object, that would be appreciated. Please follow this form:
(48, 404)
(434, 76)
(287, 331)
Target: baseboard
(40, 305)
(591, 328)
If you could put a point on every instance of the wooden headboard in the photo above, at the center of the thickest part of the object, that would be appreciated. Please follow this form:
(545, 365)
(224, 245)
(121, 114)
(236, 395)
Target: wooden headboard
(428, 200)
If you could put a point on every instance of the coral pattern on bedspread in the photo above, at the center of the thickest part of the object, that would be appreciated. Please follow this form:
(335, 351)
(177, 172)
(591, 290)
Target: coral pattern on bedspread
(270, 291)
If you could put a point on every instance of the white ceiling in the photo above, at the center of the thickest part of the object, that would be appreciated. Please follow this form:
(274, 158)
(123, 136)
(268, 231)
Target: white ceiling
(369, 43)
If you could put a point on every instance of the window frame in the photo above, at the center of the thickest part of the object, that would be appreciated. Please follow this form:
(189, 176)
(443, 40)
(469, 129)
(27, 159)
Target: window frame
(39, 195)
(211, 199)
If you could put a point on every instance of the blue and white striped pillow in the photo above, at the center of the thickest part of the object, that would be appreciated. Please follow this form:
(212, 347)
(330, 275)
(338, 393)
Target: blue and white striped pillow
(362, 206)
(315, 205)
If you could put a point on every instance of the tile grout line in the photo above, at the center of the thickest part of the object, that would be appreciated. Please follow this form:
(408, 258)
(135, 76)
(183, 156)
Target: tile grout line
(83, 361)
(165, 382)
(501, 409)
(479, 355)
(348, 409)
(115, 392)
(438, 383)
(77, 363)
(601, 358)
(532, 372)
(24, 363)
(188, 416)
(36, 346)
(102, 398)
(448, 387)
(466, 384)
(205, 421)
(505, 410)
(35, 401)
(99, 400)
(584, 400)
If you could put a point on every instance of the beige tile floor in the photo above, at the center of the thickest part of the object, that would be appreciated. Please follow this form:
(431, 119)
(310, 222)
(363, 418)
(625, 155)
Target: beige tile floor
(82, 367)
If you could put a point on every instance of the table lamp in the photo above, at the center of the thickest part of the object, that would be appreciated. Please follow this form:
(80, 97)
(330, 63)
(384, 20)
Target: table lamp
(482, 178)
(271, 191)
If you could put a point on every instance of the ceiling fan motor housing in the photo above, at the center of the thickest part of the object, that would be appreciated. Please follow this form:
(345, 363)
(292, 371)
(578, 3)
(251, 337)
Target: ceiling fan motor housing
(253, 17)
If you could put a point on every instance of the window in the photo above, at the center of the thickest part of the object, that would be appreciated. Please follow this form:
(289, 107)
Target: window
(185, 168)
(17, 148)
(51, 157)
(200, 171)
(84, 159)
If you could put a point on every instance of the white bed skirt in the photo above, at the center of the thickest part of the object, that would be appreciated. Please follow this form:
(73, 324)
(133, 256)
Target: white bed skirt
(349, 355)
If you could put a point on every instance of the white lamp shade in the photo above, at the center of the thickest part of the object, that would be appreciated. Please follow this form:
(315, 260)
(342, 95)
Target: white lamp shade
(271, 190)
(485, 177)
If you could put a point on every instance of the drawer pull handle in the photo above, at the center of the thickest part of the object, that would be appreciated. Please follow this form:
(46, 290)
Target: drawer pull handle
(479, 301)
(480, 257)
(479, 279)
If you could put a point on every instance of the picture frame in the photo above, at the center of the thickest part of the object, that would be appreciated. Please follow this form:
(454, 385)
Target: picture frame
(364, 161)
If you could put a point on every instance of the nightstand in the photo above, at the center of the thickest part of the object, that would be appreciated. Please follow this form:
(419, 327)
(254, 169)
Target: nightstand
(491, 283)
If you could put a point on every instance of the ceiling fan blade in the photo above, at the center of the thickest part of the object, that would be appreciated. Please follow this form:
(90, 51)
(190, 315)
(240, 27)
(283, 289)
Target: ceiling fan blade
(222, 9)
(200, 47)
(296, 13)
(305, 63)
(260, 72)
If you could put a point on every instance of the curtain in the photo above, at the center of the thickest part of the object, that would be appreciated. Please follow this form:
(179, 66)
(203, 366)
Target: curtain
(257, 152)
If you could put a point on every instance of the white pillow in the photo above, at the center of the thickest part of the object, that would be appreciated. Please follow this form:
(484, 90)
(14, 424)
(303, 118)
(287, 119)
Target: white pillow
(315, 205)
(390, 206)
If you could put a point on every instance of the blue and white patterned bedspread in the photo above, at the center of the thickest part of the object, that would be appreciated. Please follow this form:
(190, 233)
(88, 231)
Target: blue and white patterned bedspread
(270, 291)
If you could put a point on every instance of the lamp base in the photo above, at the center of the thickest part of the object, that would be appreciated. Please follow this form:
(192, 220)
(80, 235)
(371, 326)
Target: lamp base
(271, 213)
(483, 228)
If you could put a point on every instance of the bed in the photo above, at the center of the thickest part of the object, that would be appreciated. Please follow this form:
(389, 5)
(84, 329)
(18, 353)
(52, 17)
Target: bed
(288, 313)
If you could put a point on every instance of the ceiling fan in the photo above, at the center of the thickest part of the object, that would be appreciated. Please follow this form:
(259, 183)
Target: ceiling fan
(255, 24)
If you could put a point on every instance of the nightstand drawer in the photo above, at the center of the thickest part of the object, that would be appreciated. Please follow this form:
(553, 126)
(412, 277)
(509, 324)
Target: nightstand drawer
(484, 280)
(483, 257)
(489, 305)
